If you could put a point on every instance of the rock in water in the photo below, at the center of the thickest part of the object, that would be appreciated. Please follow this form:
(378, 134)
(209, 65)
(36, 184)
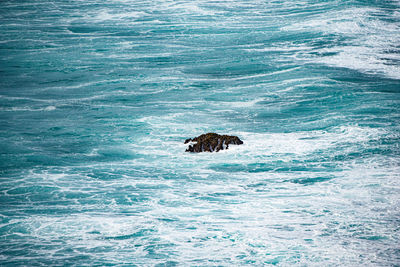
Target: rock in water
(212, 142)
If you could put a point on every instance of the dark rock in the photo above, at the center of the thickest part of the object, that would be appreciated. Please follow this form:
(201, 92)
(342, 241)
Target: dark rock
(212, 142)
(188, 140)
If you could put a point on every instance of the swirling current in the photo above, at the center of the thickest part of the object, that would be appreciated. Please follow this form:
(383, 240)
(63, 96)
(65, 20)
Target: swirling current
(97, 98)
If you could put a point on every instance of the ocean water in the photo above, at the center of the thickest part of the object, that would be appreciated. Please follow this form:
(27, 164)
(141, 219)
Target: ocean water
(97, 98)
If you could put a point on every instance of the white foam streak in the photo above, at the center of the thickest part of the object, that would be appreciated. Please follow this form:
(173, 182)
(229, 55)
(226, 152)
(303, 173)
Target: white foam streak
(123, 16)
(245, 77)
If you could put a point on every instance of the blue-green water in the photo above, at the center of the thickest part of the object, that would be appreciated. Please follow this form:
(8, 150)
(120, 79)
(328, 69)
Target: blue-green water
(97, 97)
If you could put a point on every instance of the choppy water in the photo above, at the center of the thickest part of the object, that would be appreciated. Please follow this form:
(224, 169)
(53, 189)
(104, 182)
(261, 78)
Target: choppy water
(97, 97)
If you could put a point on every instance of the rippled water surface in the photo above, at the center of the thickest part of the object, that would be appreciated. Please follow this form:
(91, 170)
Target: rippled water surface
(97, 98)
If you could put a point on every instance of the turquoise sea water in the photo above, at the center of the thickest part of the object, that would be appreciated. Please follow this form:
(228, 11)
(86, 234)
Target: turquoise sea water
(97, 97)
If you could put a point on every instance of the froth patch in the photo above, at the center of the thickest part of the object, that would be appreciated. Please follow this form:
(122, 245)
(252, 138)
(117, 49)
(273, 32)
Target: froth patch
(301, 143)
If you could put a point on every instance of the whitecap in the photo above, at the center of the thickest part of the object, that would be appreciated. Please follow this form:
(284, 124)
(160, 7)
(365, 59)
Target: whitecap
(50, 108)
(372, 45)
